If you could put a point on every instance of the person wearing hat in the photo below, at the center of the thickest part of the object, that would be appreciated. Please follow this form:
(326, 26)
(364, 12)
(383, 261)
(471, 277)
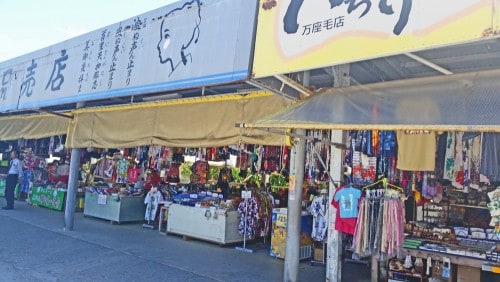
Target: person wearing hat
(15, 175)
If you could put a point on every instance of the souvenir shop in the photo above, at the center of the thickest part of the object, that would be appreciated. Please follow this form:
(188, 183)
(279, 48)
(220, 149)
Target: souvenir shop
(421, 205)
(39, 140)
(222, 195)
(189, 185)
(192, 182)
(45, 172)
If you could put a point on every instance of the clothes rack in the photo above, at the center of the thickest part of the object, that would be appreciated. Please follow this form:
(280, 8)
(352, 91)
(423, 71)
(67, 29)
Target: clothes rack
(246, 195)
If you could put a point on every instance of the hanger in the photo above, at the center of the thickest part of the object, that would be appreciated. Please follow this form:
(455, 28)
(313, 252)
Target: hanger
(382, 180)
(400, 189)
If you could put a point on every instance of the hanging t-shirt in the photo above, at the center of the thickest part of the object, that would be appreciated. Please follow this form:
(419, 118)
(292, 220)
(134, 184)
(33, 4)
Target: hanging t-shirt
(416, 150)
(122, 167)
(318, 211)
(133, 174)
(151, 201)
(173, 173)
(348, 201)
(449, 159)
(346, 225)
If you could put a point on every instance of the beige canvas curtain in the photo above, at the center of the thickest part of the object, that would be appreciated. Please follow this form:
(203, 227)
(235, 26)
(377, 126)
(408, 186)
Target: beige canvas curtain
(196, 122)
(32, 126)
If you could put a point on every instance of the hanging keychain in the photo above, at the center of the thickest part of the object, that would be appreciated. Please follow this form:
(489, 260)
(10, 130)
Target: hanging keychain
(408, 264)
(429, 266)
(446, 267)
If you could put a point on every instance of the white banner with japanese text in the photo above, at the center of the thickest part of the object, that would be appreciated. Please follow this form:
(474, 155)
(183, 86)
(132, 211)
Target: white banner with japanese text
(187, 44)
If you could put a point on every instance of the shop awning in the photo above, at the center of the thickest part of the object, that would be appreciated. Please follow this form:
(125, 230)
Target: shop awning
(32, 126)
(194, 122)
(461, 102)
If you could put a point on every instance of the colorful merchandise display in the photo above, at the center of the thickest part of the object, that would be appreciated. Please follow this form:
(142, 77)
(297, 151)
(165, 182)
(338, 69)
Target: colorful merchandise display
(423, 194)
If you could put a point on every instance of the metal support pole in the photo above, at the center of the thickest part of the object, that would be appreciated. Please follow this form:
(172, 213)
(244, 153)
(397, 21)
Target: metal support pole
(74, 170)
(292, 248)
(334, 240)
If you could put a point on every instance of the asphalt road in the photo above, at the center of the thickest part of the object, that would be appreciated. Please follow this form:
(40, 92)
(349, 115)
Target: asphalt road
(35, 247)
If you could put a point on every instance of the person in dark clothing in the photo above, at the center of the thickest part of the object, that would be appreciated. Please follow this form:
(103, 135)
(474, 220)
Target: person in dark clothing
(15, 175)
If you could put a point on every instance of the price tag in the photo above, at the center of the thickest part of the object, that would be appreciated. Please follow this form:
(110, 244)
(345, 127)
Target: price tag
(281, 220)
(209, 193)
(193, 196)
(291, 189)
(215, 195)
(102, 200)
(246, 194)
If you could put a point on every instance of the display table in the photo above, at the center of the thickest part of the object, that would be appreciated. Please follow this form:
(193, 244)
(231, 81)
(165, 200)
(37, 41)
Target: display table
(48, 198)
(114, 208)
(193, 222)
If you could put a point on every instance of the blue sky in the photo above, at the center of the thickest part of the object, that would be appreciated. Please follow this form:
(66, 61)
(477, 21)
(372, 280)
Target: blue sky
(30, 25)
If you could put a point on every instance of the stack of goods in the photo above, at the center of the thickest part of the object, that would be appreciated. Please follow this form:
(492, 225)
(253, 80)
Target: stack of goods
(494, 254)
(198, 199)
(412, 243)
(109, 189)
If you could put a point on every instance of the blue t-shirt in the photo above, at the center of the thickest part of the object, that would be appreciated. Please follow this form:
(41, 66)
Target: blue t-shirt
(348, 201)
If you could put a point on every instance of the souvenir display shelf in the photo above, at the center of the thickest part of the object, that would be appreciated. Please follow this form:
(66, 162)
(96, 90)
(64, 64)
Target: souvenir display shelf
(114, 208)
(202, 223)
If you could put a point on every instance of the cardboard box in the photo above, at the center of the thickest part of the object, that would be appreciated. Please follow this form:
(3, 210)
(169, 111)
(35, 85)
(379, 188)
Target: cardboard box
(468, 274)
(318, 254)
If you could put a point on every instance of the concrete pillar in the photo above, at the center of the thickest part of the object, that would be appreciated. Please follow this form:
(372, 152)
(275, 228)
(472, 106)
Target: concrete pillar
(74, 171)
(292, 249)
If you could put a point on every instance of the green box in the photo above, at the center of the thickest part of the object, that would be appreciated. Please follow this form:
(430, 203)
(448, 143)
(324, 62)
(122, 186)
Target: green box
(47, 197)
(2, 189)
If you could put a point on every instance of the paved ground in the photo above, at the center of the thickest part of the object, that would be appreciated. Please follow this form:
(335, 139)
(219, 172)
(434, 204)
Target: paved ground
(35, 247)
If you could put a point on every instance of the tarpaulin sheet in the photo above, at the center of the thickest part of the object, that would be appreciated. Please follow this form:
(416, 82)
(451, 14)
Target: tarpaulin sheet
(32, 126)
(459, 102)
(195, 122)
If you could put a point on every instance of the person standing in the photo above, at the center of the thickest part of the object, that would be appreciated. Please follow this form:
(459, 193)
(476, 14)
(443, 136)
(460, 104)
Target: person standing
(15, 175)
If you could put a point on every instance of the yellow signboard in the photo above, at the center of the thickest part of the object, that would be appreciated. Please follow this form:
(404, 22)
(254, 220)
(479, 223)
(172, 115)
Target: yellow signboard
(295, 35)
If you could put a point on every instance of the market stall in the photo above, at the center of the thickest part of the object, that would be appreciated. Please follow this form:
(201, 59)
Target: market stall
(45, 173)
(31, 135)
(138, 181)
(187, 160)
